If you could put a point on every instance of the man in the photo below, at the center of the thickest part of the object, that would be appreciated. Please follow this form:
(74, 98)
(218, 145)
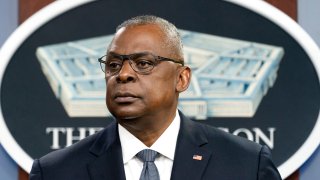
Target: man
(145, 73)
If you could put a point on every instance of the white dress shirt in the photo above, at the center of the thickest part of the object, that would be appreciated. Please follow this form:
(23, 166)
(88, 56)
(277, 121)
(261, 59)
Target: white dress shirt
(165, 146)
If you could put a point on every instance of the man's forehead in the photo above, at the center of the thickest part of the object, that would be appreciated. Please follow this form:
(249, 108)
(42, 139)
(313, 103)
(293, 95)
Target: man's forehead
(151, 28)
(149, 37)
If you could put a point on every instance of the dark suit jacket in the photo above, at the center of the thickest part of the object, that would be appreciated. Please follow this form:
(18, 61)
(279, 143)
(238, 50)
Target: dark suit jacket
(224, 157)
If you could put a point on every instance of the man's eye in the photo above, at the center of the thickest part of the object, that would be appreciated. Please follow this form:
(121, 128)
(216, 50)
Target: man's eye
(114, 65)
(143, 64)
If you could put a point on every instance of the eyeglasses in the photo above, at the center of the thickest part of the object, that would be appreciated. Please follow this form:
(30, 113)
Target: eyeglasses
(142, 63)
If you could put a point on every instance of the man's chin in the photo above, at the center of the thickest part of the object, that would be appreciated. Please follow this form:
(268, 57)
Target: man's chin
(126, 115)
(125, 111)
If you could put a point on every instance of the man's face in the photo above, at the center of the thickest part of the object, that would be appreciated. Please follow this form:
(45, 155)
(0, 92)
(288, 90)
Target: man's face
(132, 95)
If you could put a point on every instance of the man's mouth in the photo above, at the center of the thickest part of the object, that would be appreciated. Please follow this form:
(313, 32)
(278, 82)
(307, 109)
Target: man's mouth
(124, 97)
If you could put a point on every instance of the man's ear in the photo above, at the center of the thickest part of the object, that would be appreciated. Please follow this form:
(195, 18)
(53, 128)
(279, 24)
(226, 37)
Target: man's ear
(184, 78)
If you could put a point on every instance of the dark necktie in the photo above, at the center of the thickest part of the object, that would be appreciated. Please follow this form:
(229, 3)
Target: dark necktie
(149, 171)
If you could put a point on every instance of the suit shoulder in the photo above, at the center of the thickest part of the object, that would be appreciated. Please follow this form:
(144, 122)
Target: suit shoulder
(227, 140)
(58, 164)
(218, 139)
(79, 149)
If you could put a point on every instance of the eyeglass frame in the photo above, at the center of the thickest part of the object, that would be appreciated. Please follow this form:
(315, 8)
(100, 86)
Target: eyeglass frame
(158, 59)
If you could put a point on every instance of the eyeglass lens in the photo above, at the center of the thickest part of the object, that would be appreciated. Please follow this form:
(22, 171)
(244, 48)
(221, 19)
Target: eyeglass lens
(140, 62)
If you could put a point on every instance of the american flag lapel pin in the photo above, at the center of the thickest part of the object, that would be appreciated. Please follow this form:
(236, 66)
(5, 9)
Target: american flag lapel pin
(197, 157)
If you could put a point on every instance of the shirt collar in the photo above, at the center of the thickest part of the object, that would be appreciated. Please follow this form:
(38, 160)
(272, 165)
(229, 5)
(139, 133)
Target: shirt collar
(165, 144)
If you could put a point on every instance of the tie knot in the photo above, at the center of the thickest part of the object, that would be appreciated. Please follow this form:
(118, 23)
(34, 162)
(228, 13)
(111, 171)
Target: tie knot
(147, 155)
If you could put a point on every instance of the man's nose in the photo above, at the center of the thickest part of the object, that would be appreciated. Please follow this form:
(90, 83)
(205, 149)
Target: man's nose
(126, 73)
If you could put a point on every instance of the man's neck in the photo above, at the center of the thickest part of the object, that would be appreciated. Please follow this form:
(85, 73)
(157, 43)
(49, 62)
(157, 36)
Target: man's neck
(148, 129)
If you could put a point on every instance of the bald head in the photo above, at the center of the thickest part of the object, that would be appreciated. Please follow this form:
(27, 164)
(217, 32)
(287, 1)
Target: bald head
(171, 36)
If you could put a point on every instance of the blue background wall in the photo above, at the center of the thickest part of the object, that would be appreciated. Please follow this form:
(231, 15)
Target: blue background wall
(8, 23)
(308, 14)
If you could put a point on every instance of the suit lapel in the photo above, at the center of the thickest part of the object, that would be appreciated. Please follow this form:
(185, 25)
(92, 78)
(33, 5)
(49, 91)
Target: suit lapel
(191, 156)
(107, 149)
